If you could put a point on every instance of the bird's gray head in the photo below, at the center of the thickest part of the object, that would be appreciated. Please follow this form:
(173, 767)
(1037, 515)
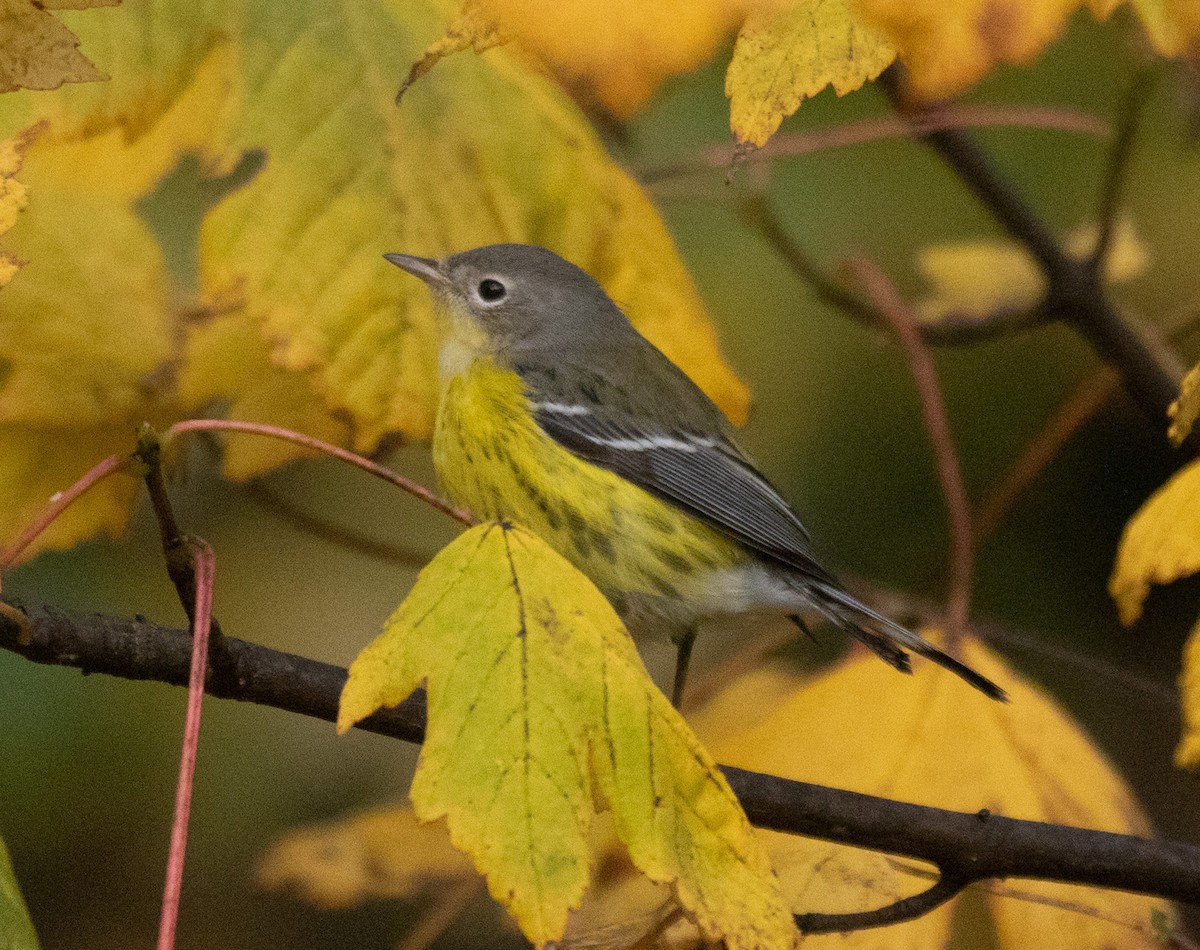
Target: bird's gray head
(513, 298)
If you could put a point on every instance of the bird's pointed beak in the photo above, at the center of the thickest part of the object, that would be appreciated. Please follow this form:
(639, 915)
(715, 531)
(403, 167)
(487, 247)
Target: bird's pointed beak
(425, 268)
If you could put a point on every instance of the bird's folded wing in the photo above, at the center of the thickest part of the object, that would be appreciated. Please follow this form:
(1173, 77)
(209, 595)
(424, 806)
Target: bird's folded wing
(704, 473)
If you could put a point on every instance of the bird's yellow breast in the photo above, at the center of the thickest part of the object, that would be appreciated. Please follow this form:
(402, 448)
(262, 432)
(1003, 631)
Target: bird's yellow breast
(493, 458)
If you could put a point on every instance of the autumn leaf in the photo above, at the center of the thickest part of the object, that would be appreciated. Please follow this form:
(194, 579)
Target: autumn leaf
(536, 694)
(302, 324)
(980, 278)
(448, 169)
(784, 57)
(382, 853)
(1184, 410)
(1160, 544)
(948, 46)
(1173, 26)
(615, 53)
(931, 740)
(14, 195)
(16, 929)
(1187, 753)
(39, 52)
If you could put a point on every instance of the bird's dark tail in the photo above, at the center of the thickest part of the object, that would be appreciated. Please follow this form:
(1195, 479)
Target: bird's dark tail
(888, 639)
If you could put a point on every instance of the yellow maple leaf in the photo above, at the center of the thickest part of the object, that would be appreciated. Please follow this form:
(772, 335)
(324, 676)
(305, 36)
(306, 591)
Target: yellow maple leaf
(934, 742)
(382, 853)
(14, 195)
(536, 695)
(980, 278)
(94, 339)
(1173, 26)
(783, 57)
(950, 45)
(225, 359)
(447, 170)
(1160, 544)
(37, 462)
(1187, 753)
(39, 52)
(616, 53)
(16, 929)
(1185, 410)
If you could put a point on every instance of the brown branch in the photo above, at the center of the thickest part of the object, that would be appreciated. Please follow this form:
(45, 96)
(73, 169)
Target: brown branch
(954, 329)
(985, 845)
(1118, 166)
(1076, 295)
(947, 887)
(1089, 398)
(892, 308)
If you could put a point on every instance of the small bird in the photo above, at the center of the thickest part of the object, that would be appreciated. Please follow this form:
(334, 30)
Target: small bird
(556, 413)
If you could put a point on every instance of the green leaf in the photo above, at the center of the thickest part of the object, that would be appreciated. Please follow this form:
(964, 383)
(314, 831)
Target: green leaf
(538, 700)
(16, 929)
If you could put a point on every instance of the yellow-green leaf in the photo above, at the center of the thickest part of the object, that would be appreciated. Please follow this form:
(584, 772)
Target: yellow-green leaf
(16, 929)
(1186, 408)
(1187, 754)
(383, 853)
(36, 462)
(782, 58)
(14, 195)
(536, 695)
(225, 359)
(446, 170)
(934, 741)
(980, 278)
(1160, 544)
(616, 53)
(39, 52)
(1172, 25)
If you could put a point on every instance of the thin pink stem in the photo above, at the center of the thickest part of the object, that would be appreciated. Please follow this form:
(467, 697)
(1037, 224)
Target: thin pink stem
(893, 308)
(204, 562)
(287, 435)
(59, 503)
(878, 128)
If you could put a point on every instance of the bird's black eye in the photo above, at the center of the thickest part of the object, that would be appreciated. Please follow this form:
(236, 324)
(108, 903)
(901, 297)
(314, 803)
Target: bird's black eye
(491, 290)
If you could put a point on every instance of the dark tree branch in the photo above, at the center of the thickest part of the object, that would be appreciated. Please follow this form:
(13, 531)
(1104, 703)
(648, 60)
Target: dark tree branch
(1118, 167)
(955, 329)
(945, 888)
(966, 847)
(1076, 294)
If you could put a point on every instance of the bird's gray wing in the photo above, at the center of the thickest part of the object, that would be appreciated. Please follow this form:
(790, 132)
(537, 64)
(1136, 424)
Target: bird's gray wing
(659, 436)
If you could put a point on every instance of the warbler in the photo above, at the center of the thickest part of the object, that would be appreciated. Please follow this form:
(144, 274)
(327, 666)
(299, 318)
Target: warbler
(556, 413)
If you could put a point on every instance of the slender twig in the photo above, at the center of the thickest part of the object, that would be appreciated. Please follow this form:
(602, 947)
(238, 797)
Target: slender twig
(953, 329)
(1118, 166)
(892, 307)
(1075, 294)
(878, 128)
(1090, 396)
(990, 846)
(204, 565)
(945, 888)
(318, 445)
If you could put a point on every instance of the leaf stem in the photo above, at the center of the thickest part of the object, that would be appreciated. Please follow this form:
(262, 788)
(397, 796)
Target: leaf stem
(318, 445)
(892, 308)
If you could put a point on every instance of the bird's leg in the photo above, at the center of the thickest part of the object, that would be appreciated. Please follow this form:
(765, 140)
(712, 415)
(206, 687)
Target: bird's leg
(683, 655)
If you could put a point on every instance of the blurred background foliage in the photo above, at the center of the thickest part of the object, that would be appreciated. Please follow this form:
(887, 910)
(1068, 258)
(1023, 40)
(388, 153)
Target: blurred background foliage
(86, 787)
